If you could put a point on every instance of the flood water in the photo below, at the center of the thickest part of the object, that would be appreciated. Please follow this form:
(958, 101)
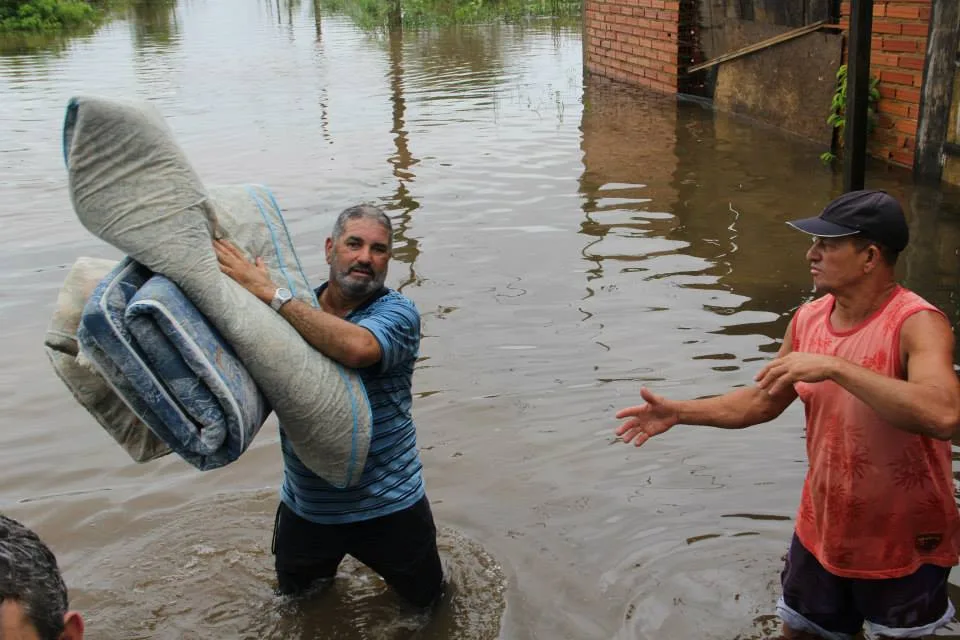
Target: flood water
(566, 241)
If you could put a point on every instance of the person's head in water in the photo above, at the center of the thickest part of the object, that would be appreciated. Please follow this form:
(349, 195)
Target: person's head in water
(33, 596)
(359, 250)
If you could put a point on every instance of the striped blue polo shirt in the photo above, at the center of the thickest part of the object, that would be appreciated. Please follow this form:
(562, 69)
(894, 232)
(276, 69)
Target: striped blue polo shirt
(392, 478)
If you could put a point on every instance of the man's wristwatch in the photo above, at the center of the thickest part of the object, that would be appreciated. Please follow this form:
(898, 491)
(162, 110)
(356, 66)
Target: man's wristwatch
(280, 297)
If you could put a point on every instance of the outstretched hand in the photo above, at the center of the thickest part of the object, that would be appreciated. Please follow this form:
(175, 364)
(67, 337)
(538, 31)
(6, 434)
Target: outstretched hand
(252, 276)
(646, 420)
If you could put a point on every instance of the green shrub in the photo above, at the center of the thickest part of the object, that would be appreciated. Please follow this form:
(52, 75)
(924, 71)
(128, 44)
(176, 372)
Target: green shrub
(45, 15)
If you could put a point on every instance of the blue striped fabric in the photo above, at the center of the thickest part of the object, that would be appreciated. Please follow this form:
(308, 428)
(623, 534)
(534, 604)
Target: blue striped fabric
(392, 478)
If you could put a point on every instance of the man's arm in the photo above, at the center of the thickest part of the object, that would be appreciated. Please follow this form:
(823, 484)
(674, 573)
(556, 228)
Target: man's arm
(734, 410)
(347, 343)
(926, 403)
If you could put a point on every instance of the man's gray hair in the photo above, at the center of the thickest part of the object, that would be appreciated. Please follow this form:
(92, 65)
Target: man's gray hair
(29, 576)
(362, 211)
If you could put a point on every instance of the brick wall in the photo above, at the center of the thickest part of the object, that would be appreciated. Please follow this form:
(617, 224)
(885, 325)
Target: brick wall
(897, 54)
(633, 41)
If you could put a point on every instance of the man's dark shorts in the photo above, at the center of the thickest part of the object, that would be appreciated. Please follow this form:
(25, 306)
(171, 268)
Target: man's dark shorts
(401, 547)
(835, 608)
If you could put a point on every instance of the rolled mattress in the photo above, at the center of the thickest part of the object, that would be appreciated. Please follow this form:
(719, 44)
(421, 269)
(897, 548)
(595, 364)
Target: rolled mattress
(171, 367)
(98, 396)
(132, 186)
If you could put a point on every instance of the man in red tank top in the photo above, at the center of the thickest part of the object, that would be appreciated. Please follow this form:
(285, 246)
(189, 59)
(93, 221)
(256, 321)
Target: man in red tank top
(877, 530)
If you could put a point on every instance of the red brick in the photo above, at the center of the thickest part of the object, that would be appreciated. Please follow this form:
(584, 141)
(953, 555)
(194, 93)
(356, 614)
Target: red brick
(899, 44)
(920, 30)
(883, 59)
(911, 62)
(925, 14)
(845, 8)
(879, 10)
(893, 28)
(672, 5)
(666, 47)
(902, 157)
(894, 108)
(887, 92)
(896, 77)
(883, 138)
(902, 11)
(913, 112)
(906, 125)
(907, 95)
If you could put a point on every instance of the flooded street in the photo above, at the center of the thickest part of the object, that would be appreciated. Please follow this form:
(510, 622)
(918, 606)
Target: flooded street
(566, 241)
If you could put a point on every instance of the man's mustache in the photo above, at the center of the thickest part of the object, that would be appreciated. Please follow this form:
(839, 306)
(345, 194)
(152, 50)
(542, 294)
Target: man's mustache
(366, 270)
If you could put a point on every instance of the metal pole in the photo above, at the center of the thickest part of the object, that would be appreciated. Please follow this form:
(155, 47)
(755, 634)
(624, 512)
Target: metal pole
(858, 94)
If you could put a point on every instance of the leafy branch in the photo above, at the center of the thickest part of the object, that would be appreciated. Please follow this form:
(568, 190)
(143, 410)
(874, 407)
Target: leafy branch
(838, 106)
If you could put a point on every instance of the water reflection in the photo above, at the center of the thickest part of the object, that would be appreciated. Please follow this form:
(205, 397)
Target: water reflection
(693, 180)
(931, 266)
(629, 159)
(18, 44)
(154, 23)
(402, 203)
(286, 11)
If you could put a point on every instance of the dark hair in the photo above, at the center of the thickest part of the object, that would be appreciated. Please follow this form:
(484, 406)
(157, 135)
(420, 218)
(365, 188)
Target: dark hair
(367, 211)
(887, 254)
(29, 575)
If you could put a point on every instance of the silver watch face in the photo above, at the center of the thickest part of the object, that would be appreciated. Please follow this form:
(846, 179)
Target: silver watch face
(281, 296)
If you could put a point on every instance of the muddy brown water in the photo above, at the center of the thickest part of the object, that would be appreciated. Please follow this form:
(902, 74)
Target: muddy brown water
(565, 240)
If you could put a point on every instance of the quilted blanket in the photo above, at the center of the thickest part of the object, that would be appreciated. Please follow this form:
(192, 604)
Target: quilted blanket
(132, 186)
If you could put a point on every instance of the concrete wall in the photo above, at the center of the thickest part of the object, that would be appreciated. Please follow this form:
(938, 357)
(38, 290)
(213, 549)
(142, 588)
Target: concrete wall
(649, 43)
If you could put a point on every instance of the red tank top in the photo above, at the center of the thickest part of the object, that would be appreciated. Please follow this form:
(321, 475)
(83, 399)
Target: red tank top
(877, 502)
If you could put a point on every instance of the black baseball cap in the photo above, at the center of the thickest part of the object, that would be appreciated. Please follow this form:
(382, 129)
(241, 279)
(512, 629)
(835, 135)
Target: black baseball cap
(874, 215)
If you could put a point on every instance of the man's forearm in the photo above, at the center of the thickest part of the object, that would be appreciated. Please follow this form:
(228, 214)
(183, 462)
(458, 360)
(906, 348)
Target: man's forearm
(916, 408)
(735, 410)
(347, 343)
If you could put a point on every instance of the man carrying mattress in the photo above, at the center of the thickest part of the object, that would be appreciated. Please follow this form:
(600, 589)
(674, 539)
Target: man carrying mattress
(384, 520)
